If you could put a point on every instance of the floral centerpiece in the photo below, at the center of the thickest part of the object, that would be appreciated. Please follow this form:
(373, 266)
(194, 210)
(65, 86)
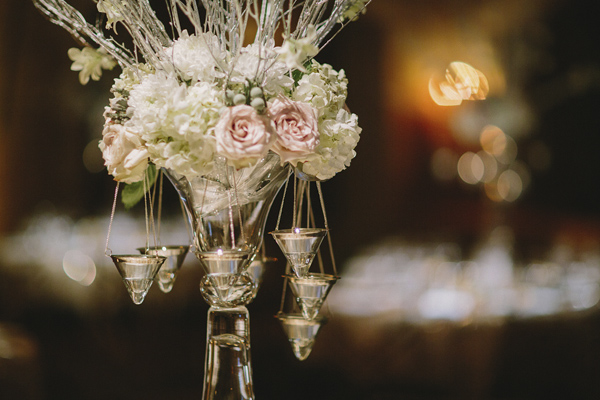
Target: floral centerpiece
(182, 102)
(225, 104)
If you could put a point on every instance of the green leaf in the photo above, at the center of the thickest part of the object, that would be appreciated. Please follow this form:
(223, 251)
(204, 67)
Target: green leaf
(297, 75)
(132, 193)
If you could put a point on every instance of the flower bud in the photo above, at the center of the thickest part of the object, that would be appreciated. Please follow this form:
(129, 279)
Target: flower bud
(258, 104)
(239, 99)
(256, 92)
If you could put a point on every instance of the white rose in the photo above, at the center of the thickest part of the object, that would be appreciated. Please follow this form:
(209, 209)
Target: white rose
(243, 136)
(297, 130)
(124, 153)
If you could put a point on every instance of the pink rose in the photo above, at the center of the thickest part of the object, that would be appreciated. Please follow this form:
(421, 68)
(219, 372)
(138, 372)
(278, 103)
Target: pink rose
(297, 130)
(243, 136)
(124, 153)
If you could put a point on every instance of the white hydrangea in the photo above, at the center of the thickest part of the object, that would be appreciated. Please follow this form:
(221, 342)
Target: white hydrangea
(194, 57)
(177, 122)
(324, 88)
(176, 110)
(338, 140)
(129, 78)
(254, 59)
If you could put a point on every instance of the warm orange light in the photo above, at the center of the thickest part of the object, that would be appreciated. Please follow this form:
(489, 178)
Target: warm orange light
(460, 82)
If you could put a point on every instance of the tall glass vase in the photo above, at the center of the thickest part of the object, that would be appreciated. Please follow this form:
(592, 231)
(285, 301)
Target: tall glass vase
(228, 207)
(227, 210)
(228, 370)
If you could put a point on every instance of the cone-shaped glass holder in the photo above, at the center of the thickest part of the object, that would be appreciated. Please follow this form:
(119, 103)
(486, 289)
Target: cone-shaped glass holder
(175, 256)
(138, 273)
(223, 268)
(311, 291)
(301, 332)
(241, 292)
(299, 245)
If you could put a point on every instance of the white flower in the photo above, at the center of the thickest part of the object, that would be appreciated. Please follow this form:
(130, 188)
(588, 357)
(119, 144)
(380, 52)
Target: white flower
(194, 57)
(338, 139)
(257, 63)
(324, 88)
(90, 63)
(352, 11)
(177, 121)
(124, 153)
(243, 136)
(297, 130)
(295, 52)
(112, 14)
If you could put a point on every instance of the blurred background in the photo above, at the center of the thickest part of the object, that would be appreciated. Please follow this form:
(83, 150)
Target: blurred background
(466, 230)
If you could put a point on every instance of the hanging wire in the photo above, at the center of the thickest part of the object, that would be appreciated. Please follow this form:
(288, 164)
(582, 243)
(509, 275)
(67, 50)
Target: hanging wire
(288, 271)
(148, 213)
(327, 227)
(282, 202)
(188, 222)
(308, 207)
(146, 219)
(198, 216)
(231, 227)
(319, 255)
(107, 251)
(160, 198)
(295, 204)
(300, 197)
(239, 208)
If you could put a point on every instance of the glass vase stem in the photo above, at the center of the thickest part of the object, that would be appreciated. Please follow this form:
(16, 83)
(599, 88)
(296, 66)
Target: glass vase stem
(228, 371)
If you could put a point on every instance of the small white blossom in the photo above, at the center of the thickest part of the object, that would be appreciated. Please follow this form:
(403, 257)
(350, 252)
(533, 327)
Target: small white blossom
(112, 14)
(351, 13)
(295, 52)
(90, 63)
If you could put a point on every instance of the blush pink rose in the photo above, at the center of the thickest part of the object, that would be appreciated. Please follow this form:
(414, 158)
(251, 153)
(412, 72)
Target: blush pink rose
(124, 153)
(243, 135)
(297, 130)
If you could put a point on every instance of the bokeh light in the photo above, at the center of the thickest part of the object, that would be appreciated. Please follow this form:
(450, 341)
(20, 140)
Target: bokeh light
(460, 82)
(470, 168)
(509, 185)
(92, 157)
(79, 267)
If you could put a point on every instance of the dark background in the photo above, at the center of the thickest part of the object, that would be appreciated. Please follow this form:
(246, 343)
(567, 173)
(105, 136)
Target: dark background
(51, 348)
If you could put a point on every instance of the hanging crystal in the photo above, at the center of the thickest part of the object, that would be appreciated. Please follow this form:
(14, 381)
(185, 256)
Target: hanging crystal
(301, 332)
(223, 268)
(311, 291)
(138, 273)
(175, 256)
(300, 246)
